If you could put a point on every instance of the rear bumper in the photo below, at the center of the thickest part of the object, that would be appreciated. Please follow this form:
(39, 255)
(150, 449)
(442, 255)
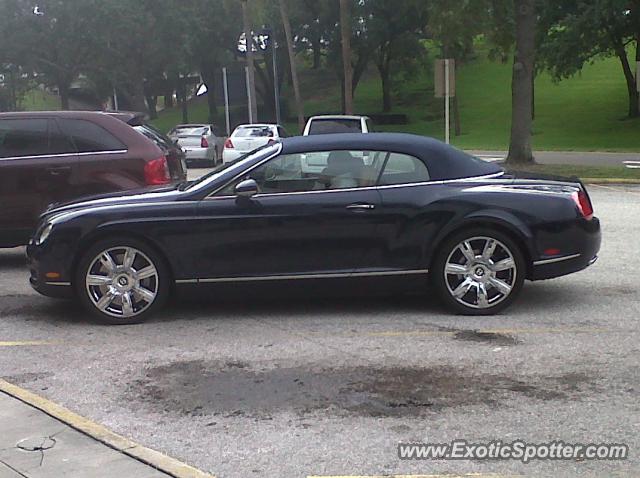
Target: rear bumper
(587, 246)
(199, 154)
(229, 155)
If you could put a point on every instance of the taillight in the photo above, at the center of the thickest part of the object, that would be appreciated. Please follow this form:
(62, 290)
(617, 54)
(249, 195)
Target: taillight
(156, 172)
(228, 144)
(204, 143)
(271, 141)
(584, 204)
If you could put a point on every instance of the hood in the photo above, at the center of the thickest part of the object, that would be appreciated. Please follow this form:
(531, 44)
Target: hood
(143, 195)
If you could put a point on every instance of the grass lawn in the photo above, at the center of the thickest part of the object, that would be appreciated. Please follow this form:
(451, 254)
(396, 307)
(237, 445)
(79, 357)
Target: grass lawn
(584, 113)
(38, 100)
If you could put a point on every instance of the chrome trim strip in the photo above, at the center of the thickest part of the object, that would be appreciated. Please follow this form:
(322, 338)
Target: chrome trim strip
(65, 155)
(303, 276)
(368, 188)
(60, 284)
(556, 259)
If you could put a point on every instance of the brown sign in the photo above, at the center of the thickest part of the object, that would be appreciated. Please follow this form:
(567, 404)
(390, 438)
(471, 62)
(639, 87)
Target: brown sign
(439, 78)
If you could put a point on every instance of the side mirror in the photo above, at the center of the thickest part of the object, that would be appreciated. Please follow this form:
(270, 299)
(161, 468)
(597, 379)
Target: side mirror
(247, 188)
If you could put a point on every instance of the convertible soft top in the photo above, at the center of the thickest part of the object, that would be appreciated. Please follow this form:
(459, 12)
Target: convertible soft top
(444, 161)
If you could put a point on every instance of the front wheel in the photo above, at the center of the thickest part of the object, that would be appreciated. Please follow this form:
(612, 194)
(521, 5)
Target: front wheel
(122, 281)
(479, 272)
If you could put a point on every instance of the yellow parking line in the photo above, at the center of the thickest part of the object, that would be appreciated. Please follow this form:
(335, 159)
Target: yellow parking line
(26, 343)
(155, 459)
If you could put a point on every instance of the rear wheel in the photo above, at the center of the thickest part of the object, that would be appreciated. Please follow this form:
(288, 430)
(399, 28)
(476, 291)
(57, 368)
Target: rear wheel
(122, 281)
(479, 272)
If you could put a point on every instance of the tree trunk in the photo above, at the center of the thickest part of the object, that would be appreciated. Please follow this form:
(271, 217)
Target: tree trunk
(345, 32)
(168, 99)
(385, 77)
(632, 89)
(292, 63)
(246, 20)
(208, 73)
(457, 126)
(152, 103)
(520, 150)
(317, 53)
(63, 89)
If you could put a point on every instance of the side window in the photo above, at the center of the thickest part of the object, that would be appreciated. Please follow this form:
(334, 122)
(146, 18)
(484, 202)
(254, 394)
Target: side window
(59, 143)
(23, 137)
(89, 137)
(317, 171)
(403, 169)
(282, 132)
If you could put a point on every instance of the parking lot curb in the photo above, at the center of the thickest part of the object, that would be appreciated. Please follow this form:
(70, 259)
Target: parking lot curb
(100, 433)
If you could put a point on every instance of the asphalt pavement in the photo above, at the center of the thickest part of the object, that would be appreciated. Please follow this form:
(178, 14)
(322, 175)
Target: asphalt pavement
(288, 385)
(629, 160)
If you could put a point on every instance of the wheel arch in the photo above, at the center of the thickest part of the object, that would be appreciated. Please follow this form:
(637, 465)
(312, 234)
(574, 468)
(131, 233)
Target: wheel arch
(98, 235)
(500, 221)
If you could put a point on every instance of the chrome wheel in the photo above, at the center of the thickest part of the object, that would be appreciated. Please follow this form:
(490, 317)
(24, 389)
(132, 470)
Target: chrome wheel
(122, 282)
(480, 272)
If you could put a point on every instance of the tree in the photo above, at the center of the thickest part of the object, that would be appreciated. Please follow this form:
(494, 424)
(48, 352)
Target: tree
(575, 32)
(394, 31)
(345, 35)
(520, 150)
(454, 30)
(248, 34)
(292, 62)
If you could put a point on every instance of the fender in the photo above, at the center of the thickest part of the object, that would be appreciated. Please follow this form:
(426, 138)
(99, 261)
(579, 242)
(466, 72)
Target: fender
(500, 219)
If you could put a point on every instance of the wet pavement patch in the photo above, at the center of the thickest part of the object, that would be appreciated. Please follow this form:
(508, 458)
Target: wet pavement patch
(485, 337)
(200, 388)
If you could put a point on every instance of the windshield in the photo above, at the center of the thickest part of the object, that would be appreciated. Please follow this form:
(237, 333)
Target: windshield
(238, 165)
(331, 126)
(253, 132)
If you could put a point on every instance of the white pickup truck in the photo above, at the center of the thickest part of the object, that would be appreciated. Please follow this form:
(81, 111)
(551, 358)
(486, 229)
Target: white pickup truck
(332, 124)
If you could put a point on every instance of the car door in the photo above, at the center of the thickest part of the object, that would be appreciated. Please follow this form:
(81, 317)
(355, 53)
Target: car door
(410, 216)
(300, 223)
(36, 169)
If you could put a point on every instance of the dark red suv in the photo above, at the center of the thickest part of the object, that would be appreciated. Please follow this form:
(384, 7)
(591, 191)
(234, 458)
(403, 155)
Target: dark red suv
(55, 157)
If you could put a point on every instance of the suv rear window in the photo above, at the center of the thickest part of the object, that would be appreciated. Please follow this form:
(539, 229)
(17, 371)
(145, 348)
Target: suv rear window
(23, 137)
(331, 126)
(89, 137)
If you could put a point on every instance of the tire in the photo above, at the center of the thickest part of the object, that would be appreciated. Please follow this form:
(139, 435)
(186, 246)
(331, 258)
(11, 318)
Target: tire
(482, 282)
(103, 285)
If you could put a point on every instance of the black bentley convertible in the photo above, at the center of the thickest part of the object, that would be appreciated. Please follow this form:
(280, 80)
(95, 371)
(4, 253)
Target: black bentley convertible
(387, 206)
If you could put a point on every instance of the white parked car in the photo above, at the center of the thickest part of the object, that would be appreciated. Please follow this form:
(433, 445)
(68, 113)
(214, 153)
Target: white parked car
(200, 142)
(332, 124)
(249, 137)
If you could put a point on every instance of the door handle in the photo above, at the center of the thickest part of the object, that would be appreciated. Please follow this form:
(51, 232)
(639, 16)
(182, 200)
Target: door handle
(359, 207)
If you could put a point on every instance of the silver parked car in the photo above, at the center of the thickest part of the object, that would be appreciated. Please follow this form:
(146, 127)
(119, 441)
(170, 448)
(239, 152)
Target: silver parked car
(202, 143)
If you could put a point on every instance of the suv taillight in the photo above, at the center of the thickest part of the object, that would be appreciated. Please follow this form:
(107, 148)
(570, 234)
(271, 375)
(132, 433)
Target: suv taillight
(584, 204)
(204, 143)
(156, 172)
(228, 144)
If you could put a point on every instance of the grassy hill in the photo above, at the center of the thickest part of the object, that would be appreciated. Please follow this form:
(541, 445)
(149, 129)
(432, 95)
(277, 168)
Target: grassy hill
(584, 113)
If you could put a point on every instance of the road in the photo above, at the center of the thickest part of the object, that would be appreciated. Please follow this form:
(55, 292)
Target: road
(630, 160)
(288, 386)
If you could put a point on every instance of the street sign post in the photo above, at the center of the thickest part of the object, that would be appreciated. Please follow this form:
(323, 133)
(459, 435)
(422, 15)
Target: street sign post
(445, 87)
